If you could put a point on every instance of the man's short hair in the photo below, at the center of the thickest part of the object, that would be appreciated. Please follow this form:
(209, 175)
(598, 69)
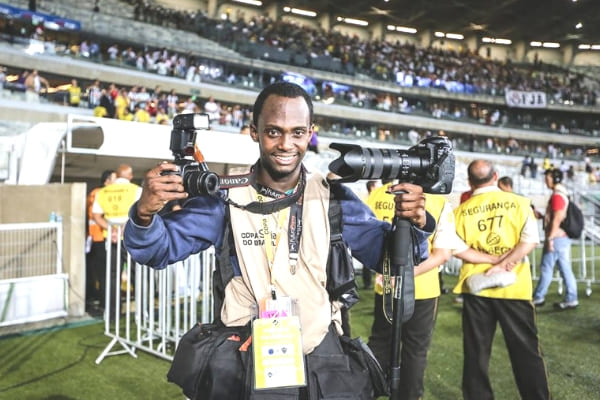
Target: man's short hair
(283, 89)
(506, 181)
(105, 175)
(476, 178)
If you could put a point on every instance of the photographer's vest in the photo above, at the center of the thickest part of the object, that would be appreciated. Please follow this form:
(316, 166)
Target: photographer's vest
(306, 283)
(491, 222)
(427, 285)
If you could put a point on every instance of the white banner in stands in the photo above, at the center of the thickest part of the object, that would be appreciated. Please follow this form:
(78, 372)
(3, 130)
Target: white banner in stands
(525, 99)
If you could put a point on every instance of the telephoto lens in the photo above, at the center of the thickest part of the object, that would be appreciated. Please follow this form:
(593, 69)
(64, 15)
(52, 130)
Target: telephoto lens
(429, 164)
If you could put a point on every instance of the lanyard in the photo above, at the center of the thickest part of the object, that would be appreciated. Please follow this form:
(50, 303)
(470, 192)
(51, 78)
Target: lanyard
(267, 237)
(294, 216)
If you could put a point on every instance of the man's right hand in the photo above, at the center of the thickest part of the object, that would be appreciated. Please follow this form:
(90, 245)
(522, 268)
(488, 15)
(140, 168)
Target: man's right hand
(158, 190)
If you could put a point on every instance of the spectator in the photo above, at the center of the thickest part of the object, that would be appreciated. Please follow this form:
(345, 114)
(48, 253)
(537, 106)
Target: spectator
(33, 86)
(557, 246)
(74, 93)
(94, 94)
(212, 109)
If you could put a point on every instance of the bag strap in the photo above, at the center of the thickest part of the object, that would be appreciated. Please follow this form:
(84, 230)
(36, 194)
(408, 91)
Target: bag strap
(223, 272)
(335, 216)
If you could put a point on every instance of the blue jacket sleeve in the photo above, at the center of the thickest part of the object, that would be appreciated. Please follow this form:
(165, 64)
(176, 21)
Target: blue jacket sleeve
(365, 234)
(175, 236)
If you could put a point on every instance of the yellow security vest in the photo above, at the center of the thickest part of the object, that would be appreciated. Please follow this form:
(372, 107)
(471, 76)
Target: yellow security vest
(116, 199)
(492, 222)
(427, 285)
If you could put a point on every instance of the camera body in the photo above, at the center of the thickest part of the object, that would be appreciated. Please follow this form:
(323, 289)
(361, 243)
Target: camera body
(429, 164)
(197, 178)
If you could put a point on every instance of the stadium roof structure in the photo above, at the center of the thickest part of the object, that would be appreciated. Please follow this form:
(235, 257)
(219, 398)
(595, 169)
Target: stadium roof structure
(527, 20)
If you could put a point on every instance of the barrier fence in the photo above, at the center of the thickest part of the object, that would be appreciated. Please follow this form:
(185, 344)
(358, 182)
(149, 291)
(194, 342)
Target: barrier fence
(148, 309)
(151, 309)
(33, 286)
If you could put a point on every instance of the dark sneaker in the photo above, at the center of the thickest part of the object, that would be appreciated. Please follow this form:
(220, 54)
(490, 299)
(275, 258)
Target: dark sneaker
(539, 302)
(564, 305)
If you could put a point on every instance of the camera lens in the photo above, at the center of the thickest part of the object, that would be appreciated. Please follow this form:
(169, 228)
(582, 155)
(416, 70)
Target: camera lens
(199, 183)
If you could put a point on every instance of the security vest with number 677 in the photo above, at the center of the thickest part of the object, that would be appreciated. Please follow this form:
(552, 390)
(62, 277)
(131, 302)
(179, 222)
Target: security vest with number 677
(492, 222)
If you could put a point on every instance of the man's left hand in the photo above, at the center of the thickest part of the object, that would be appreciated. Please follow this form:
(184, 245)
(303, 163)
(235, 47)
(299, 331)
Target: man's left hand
(410, 203)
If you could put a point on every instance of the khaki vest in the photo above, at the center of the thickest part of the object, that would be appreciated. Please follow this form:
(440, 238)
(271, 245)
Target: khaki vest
(306, 286)
(492, 222)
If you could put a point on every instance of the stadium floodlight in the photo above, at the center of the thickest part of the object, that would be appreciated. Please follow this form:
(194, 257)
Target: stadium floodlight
(551, 45)
(305, 13)
(503, 41)
(354, 21)
(579, 25)
(406, 29)
(486, 39)
(256, 3)
(403, 29)
(455, 36)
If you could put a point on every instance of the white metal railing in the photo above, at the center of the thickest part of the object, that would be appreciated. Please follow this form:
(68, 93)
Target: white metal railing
(33, 286)
(153, 312)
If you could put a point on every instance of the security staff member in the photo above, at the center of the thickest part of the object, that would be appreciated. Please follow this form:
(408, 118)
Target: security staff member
(111, 206)
(95, 247)
(500, 223)
(416, 332)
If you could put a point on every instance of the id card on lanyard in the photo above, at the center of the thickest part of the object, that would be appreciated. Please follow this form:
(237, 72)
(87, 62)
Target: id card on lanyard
(277, 353)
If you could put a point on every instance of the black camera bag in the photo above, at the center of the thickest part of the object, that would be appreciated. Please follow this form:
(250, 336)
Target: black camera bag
(208, 362)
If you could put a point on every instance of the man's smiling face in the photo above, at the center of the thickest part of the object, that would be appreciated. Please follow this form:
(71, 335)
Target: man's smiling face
(283, 133)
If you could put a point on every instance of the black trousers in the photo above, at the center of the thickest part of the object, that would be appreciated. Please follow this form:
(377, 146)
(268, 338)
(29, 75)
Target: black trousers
(95, 266)
(517, 320)
(416, 338)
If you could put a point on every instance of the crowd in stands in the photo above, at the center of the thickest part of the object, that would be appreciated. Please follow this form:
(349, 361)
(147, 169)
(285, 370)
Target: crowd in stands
(490, 74)
(402, 63)
(196, 70)
(141, 104)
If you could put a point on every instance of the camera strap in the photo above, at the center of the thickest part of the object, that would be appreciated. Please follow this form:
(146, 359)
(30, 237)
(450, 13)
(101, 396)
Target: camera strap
(279, 202)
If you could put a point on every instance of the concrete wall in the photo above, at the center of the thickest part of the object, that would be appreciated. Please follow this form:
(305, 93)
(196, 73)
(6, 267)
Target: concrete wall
(19, 204)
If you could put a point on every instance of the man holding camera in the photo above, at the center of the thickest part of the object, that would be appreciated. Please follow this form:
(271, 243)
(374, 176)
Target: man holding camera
(499, 223)
(289, 207)
(418, 330)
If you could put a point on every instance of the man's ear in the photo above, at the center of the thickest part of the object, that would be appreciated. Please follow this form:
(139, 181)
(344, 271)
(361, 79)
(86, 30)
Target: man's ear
(253, 133)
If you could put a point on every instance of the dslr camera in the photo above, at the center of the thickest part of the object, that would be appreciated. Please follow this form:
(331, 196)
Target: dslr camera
(197, 179)
(429, 164)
